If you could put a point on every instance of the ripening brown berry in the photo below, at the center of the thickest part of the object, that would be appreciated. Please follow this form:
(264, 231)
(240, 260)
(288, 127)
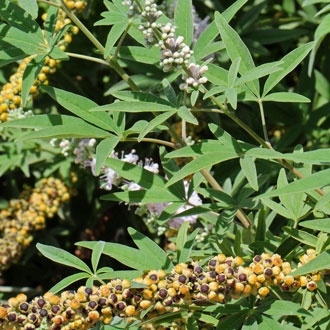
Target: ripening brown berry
(311, 286)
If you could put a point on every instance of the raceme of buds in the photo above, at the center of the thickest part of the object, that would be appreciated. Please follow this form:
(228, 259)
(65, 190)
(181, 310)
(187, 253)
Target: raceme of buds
(224, 278)
(10, 95)
(195, 77)
(175, 54)
(26, 215)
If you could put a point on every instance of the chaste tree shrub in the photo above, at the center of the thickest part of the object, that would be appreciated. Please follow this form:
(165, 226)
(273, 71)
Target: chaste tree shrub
(178, 114)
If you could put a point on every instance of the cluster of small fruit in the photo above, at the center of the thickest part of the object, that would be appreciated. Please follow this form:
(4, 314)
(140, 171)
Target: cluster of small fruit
(26, 215)
(10, 95)
(224, 278)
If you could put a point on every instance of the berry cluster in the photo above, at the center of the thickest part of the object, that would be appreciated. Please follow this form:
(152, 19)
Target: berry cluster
(223, 279)
(28, 214)
(10, 99)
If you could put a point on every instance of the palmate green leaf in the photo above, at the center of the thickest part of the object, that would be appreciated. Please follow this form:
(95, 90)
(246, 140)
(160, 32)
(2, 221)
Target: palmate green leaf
(187, 246)
(283, 307)
(268, 323)
(236, 48)
(21, 19)
(249, 169)
(96, 254)
(111, 18)
(321, 32)
(295, 203)
(121, 274)
(324, 203)
(50, 23)
(10, 55)
(63, 257)
(142, 196)
(312, 2)
(181, 240)
(129, 106)
(151, 250)
(41, 121)
(233, 71)
(197, 150)
(211, 32)
(29, 76)
(30, 6)
(10, 35)
(170, 167)
(139, 96)
(224, 199)
(128, 256)
(225, 138)
(169, 92)
(115, 33)
(58, 54)
(185, 114)
(320, 156)
(323, 10)
(278, 208)
(259, 72)
(136, 173)
(214, 91)
(233, 322)
(131, 257)
(68, 281)
(314, 181)
(290, 62)
(140, 54)
(155, 123)
(231, 95)
(320, 262)
(80, 106)
(184, 21)
(217, 75)
(192, 324)
(169, 212)
(210, 49)
(301, 236)
(286, 97)
(103, 151)
(200, 163)
(319, 225)
(76, 129)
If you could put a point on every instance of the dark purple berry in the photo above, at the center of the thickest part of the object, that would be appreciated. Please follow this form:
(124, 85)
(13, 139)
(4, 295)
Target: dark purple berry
(182, 279)
(153, 277)
(242, 277)
(121, 306)
(198, 270)
(162, 293)
(43, 313)
(205, 288)
(88, 291)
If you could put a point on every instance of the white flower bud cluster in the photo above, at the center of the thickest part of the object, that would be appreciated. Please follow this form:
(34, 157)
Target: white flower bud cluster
(174, 52)
(84, 150)
(151, 12)
(133, 10)
(200, 237)
(195, 77)
(19, 113)
(66, 146)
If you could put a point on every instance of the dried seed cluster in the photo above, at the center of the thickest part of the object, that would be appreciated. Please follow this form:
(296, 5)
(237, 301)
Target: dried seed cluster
(223, 279)
(10, 95)
(28, 214)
